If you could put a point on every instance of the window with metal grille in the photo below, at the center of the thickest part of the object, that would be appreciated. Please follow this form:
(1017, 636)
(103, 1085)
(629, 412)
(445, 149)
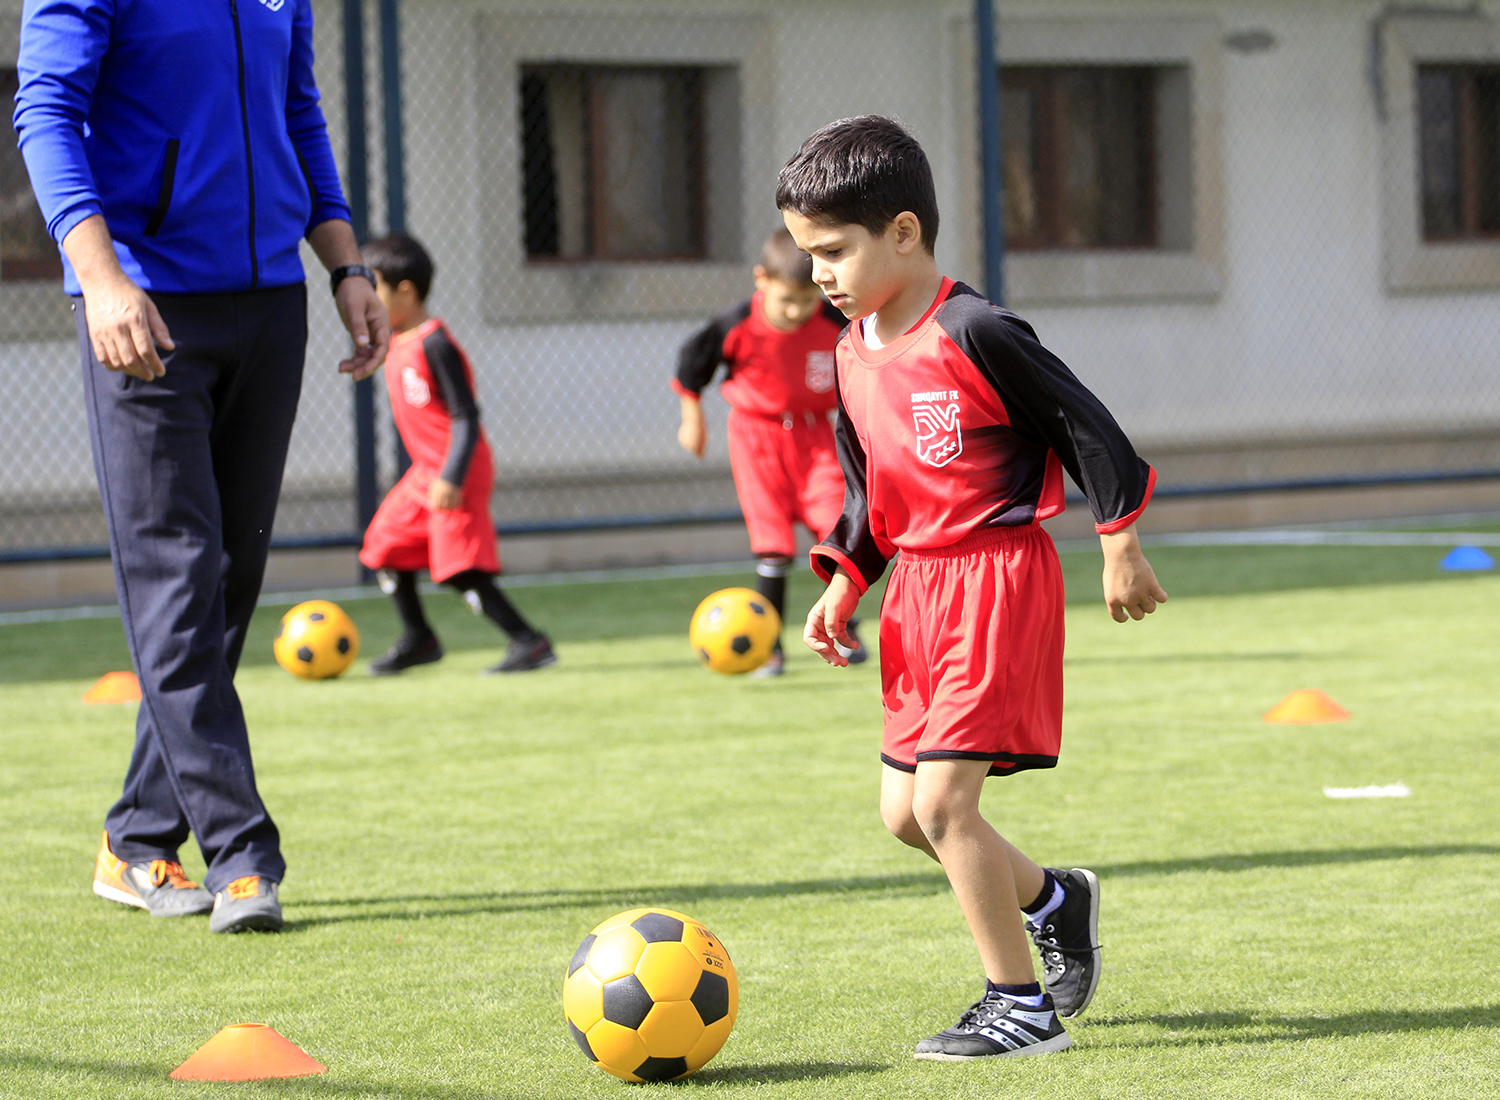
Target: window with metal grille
(1458, 151)
(613, 162)
(27, 252)
(1080, 156)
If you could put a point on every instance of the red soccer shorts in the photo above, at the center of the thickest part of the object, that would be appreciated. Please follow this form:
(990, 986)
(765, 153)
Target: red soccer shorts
(407, 535)
(786, 471)
(971, 648)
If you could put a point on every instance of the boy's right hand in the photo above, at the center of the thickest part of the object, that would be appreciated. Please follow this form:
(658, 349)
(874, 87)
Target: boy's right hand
(828, 621)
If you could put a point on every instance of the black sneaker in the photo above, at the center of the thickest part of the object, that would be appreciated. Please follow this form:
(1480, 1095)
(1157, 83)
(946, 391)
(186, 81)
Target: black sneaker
(859, 654)
(525, 654)
(407, 654)
(998, 1027)
(1068, 940)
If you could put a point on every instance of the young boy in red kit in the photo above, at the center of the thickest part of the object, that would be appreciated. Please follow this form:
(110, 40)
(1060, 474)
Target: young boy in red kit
(437, 517)
(778, 347)
(955, 427)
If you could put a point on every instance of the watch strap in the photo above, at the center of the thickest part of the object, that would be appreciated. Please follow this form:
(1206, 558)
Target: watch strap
(339, 274)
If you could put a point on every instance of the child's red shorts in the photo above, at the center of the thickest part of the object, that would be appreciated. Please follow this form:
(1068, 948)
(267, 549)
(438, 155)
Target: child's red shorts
(786, 471)
(407, 535)
(971, 648)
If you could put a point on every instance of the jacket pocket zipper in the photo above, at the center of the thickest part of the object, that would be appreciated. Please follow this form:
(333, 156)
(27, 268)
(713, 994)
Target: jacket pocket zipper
(164, 200)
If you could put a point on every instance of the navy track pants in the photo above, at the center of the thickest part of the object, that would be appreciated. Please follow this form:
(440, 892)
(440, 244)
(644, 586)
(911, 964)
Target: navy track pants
(189, 469)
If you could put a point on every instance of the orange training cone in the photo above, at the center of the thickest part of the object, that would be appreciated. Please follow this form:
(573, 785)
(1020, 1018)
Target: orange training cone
(1306, 707)
(114, 687)
(246, 1052)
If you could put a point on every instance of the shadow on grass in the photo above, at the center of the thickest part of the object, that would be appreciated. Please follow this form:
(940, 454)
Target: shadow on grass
(122, 1073)
(134, 1075)
(430, 906)
(774, 1072)
(1214, 1028)
(1316, 857)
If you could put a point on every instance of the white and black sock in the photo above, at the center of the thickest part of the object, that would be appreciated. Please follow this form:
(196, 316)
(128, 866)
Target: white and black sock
(1050, 897)
(1029, 994)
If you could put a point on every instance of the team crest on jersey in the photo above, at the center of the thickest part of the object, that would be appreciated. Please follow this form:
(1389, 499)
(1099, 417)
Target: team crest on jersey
(414, 388)
(940, 437)
(820, 371)
(274, 5)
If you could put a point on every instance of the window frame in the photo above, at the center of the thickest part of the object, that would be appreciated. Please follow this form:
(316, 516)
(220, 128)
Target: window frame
(1402, 45)
(1470, 197)
(48, 267)
(1044, 83)
(31, 309)
(736, 54)
(1185, 265)
(596, 183)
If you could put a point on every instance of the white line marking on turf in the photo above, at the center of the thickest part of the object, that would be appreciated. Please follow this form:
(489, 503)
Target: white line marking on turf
(1394, 790)
(1297, 537)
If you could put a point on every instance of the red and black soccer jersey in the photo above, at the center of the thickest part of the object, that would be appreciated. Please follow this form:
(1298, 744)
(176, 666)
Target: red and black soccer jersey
(771, 371)
(432, 400)
(966, 422)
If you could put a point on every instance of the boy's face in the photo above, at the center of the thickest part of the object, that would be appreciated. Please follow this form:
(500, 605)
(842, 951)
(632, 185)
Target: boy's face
(858, 271)
(787, 305)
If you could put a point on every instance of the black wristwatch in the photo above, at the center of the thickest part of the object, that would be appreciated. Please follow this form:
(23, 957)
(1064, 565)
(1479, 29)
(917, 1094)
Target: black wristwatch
(339, 274)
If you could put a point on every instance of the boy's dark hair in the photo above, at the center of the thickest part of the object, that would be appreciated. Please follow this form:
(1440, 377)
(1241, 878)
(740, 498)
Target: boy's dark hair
(780, 258)
(861, 171)
(398, 258)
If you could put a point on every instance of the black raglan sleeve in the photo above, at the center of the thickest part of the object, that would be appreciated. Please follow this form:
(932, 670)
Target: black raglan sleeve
(1049, 404)
(700, 355)
(447, 367)
(850, 543)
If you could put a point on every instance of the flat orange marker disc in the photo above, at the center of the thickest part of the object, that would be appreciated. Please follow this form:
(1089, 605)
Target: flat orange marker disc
(246, 1052)
(114, 687)
(1306, 707)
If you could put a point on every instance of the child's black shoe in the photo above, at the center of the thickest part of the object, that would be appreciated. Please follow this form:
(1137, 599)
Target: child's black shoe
(407, 653)
(1068, 940)
(997, 1027)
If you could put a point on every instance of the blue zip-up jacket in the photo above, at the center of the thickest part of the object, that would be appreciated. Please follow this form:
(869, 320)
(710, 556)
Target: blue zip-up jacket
(193, 126)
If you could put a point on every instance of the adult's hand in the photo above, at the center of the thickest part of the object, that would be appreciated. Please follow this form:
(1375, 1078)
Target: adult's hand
(125, 327)
(364, 316)
(358, 304)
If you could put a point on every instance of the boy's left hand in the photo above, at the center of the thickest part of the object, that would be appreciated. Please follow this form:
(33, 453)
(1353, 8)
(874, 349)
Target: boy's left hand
(1131, 590)
(443, 496)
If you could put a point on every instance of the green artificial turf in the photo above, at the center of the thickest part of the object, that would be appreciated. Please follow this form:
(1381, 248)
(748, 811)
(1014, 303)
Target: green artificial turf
(452, 837)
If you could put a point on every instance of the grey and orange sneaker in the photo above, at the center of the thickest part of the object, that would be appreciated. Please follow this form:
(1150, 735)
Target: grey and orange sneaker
(995, 1026)
(248, 904)
(157, 886)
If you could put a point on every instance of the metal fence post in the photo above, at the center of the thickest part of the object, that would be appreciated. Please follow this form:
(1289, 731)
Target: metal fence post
(358, 186)
(395, 156)
(992, 179)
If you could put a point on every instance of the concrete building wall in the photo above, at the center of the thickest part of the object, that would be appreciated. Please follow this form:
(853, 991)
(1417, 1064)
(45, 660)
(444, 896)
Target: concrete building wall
(1294, 331)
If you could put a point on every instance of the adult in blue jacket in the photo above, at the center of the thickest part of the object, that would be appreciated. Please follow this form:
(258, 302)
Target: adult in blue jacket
(179, 156)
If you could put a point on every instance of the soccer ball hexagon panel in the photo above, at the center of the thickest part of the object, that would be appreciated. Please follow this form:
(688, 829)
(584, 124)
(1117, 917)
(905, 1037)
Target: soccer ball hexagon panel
(650, 995)
(316, 640)
(734, 630)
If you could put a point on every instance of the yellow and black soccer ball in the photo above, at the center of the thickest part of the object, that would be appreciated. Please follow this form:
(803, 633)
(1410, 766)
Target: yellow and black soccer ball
(650, 995)
(316, 640)
(734, 630)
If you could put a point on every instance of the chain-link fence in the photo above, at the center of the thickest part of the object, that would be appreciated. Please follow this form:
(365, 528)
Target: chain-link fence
(1268, 234)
